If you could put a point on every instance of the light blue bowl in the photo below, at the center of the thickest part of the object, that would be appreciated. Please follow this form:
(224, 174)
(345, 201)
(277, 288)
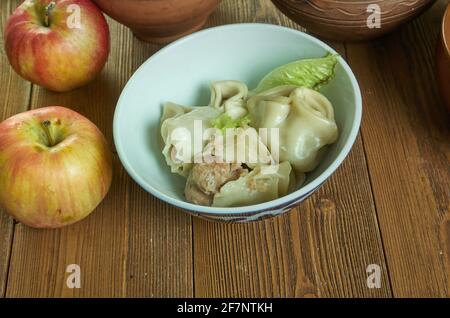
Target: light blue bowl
(182, 72)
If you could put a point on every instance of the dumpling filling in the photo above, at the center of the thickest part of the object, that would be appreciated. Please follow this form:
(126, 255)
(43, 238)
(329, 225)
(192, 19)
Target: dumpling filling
(206, 180)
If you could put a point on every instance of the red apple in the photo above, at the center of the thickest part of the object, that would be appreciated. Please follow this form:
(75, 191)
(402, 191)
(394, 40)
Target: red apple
(55, 167)
(60, 45)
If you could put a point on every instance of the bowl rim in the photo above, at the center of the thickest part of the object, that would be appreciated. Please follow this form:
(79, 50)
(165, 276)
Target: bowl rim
(445, 32)
(256, 208)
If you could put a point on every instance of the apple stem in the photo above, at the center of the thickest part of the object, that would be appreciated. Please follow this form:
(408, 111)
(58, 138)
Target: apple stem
(48, 10)
(46, 124)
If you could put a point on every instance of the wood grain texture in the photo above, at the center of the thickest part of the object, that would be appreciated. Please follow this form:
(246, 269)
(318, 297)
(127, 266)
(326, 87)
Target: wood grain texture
(406, 137)
(14, 97)
(321, 249)
(131, 245)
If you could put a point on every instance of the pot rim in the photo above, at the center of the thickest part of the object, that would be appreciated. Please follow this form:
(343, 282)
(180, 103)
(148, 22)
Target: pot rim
(445, 32)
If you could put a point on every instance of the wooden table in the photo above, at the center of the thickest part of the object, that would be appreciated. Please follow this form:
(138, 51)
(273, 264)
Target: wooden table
(387, 205)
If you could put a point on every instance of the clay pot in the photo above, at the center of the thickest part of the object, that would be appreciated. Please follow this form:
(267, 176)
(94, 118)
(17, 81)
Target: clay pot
(159, 21)
(347, 20)
(443, 59)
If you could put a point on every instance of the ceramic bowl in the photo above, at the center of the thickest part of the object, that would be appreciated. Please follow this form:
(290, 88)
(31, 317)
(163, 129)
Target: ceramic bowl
(210, 55)
(347, 20)
(443, 59)
(159, 21)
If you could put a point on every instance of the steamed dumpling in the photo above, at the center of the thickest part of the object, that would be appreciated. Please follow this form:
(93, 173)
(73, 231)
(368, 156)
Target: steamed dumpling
(171, 110)
(256, 187)
(231, 96)
(242, 146)
(305, 119)
(177, 123)
(177, 132)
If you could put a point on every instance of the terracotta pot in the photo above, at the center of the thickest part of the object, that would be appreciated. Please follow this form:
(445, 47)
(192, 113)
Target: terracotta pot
(347, 20)
(443, 59)
(159, 21)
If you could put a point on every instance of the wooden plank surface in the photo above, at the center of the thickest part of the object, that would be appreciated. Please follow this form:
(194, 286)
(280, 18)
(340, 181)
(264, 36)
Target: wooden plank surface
(314, 251)
(321, 249)
(14, 97)
(406, 137)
